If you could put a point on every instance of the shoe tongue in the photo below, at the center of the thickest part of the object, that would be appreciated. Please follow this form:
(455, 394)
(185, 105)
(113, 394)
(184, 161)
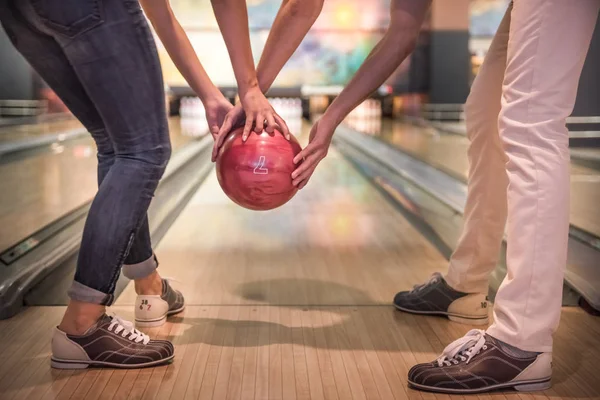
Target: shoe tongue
(101, 321)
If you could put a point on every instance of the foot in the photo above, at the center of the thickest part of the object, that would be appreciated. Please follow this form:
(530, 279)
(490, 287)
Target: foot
(478, 363)
(112, 342)
(152, 310)
(436, 297)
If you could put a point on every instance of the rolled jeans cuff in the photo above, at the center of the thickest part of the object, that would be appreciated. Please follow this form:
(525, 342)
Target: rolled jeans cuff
(140, 270)
(80, 292)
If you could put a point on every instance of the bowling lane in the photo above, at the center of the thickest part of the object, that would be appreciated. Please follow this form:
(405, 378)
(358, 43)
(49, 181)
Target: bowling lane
(338, 242)
(448, 152)
(268, 314)
(33, 131)
(38, 189)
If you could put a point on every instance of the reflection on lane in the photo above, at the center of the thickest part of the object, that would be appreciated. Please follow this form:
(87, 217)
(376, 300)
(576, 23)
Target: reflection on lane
(338, 241)
(31, 131)
(448, 152)
(44, 186)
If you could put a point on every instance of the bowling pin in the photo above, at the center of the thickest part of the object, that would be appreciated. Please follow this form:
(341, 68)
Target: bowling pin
(185, 107)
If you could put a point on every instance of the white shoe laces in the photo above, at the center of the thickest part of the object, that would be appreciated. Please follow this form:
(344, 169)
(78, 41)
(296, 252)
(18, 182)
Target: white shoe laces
(119, 325)
(436, 277)
(463, 349)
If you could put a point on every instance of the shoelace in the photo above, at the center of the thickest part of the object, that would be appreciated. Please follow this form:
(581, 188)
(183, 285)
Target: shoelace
(127, 328)
(463, 349)
(434, 278)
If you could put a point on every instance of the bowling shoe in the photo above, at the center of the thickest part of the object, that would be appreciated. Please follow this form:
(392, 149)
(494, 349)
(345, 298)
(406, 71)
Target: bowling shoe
(436, 297)
(478, 363)
(153, 310)
(112, 342)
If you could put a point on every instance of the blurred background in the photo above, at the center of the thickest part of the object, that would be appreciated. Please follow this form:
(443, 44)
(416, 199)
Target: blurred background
(408, 139)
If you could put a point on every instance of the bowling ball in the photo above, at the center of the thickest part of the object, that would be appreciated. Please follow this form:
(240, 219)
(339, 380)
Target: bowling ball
(257, 174)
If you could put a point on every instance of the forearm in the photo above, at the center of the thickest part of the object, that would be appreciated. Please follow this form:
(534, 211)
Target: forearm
(232, 17)
(293, 21)
(397, 43)
(179, 47)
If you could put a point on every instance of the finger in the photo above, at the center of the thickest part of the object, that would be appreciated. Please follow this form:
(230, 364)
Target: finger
(271, 124)
(259, 124)
(217, 145)
(247, 128)
(221, 135)
(307, 164)
(283, 126)
(214, 131)
(303, 183)
(306, 175)
(304, 153)
(215, 152)
(226, 127)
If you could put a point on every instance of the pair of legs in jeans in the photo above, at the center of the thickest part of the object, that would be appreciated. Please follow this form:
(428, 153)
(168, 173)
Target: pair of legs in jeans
(100, 58)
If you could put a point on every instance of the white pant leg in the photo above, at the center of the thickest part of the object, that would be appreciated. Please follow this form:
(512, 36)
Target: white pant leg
(547, 46)
(477, 251)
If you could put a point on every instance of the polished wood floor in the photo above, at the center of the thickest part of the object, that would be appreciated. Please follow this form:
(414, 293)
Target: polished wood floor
(39, 188)
(14, 133)
(279, 352)
(287, 304)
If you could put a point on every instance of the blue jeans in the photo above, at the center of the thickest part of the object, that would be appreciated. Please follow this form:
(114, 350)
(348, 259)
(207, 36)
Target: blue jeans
(100, 58)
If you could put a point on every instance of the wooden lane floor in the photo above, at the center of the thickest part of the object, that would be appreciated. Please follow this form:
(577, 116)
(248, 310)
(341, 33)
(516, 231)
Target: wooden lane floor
(38, 189)
(32, 131)
(280, 352)
(449, 153)
(288, 304)
(337, 242)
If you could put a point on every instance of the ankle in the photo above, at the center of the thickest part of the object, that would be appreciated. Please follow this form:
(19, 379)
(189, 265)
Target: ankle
(151, 285)
(80, 317)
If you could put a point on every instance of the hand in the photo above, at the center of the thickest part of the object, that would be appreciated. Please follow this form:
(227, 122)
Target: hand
(258, 112)
(235, 118)
(318, 145)
(216, 111)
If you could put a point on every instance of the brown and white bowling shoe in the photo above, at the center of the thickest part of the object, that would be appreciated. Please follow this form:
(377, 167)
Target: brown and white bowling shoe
(153, 310)
(112, 342)
(479, 363)
(436, 297)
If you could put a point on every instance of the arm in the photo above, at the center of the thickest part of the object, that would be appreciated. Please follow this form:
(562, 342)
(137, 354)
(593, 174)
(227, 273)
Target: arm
(178, 46)
(232, 17)
(294, 19)
(182, 53)
(397, 43)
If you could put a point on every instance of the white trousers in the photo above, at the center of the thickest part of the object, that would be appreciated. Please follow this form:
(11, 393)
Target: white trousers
(519, 166)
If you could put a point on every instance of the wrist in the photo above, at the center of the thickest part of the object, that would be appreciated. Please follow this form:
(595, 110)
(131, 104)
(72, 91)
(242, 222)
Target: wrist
(333, 116)
(262, 82)
(211, 95)
(328, 124)
(249, 86)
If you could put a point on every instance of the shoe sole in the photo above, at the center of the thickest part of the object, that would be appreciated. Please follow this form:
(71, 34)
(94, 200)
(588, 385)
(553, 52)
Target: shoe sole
(78, 364)
(463, 319)
(523, 386)
(153, 323)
